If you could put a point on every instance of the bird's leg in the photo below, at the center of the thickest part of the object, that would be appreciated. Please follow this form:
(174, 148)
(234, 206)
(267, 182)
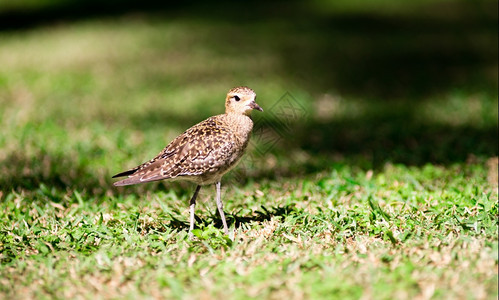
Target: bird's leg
(192, 204)
(221, 209)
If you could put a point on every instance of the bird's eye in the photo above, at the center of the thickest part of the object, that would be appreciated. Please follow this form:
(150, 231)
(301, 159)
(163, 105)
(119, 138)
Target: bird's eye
(237, 98)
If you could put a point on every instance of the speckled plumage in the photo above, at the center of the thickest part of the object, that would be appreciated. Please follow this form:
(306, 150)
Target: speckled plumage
(204, 152)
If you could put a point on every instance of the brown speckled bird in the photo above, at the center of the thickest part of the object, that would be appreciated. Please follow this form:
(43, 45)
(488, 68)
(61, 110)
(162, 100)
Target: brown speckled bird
(204, 152)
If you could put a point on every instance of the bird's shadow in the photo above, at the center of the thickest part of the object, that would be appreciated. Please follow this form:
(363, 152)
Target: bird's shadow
(236, 219)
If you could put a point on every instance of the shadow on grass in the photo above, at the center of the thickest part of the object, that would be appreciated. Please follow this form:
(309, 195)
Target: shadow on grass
(395, 139)
(388, 134)
(258, 216)
(26, 15)
(397, 57)
(28, 173)
(55, 176)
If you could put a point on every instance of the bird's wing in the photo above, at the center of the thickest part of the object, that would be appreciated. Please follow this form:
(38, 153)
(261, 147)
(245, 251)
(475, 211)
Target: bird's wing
(205, 147)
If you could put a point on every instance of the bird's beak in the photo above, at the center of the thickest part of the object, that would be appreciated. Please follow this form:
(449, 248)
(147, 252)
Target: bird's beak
(253, 105)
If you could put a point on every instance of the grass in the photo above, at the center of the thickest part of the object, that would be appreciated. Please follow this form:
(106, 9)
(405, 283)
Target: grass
(403, 232)
(372, 172)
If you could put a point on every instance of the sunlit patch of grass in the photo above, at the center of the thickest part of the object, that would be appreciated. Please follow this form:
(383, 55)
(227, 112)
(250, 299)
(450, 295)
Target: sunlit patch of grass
(407, 231)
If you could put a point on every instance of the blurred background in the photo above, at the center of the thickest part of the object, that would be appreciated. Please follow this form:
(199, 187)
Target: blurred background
(91, 88)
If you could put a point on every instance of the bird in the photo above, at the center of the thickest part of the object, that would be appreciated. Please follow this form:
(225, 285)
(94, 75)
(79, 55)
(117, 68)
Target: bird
(204, 152)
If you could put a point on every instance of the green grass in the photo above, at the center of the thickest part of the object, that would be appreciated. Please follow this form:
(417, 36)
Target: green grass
(383, 185)
(401, 232)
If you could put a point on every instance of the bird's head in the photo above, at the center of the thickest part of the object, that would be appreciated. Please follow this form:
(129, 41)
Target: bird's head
(241, 100)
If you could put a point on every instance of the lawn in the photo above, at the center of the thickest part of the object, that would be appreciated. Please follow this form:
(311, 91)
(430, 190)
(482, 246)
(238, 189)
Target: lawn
(371, 174)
